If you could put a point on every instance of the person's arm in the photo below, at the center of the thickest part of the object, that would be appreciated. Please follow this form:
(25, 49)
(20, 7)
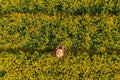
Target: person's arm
(54, 53)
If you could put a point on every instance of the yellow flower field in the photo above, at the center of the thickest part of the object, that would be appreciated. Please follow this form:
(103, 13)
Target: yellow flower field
(38, 66)
(31, 29)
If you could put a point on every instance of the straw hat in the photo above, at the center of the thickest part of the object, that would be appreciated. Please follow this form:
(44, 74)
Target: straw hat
(59, 51)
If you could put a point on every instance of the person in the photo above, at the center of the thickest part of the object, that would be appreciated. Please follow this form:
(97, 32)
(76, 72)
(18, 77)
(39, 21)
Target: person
(59, 51)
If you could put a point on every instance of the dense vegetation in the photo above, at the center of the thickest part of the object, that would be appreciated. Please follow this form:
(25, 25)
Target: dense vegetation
(63, 6)
(42, 24)
(74, 66)
(24, 25)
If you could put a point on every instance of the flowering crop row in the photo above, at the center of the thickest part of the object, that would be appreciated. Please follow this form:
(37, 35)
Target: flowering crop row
(41, 31)
(64, 6)
(38, 66)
